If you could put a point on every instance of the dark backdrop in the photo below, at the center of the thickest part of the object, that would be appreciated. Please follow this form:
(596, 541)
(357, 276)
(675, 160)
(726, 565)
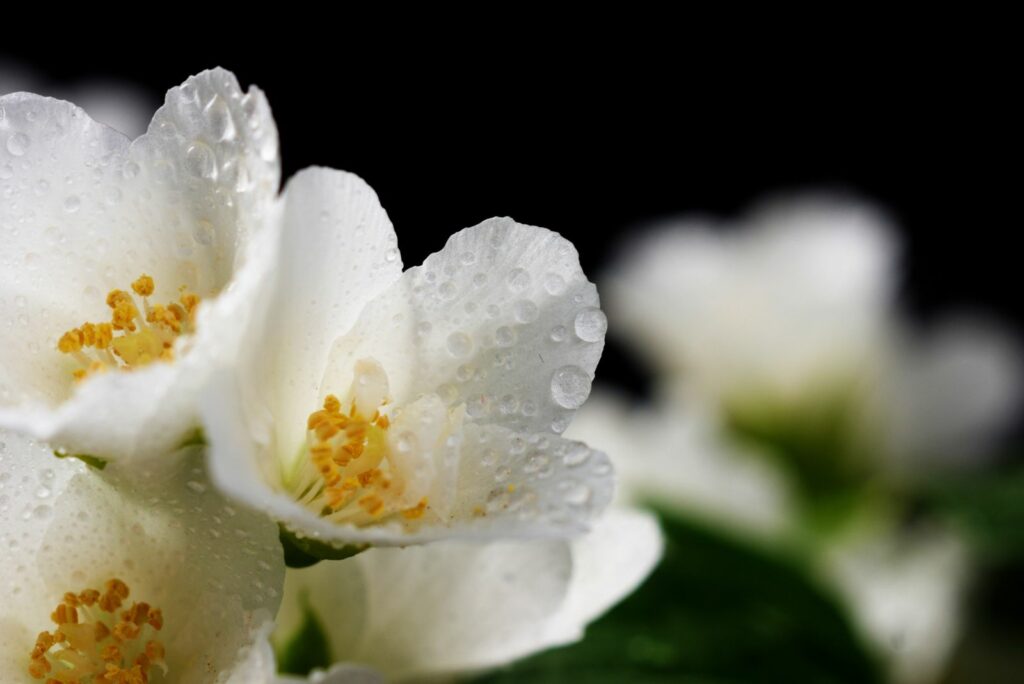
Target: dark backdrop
(595, 137)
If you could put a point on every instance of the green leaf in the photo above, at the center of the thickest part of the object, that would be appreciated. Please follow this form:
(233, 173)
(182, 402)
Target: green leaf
(715, 610)
(307, 649)
(302, 552)
(989, 508)
(91, 461)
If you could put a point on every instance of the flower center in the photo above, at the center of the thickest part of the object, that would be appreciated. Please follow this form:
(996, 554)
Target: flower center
(351, 472)
(132, 338)
(94, 643)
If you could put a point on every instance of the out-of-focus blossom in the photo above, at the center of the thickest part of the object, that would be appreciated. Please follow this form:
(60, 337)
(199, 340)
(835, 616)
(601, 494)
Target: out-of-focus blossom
(380, 407)
(679, 460)
(450, 607)
(788, 303)
(121, 255)
(789, 321)
(784, 361)
(158, 575)
(906, 591)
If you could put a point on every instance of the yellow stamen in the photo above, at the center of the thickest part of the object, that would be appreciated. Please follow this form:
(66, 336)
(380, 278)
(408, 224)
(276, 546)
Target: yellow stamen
(130, 340)
(104, 648)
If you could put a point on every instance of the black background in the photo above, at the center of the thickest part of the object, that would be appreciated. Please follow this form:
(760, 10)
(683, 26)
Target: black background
(593, 131)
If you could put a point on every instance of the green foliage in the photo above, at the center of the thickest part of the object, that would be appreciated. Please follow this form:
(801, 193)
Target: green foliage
(715, 610)
(302, 552)
(307, 649)
(989, 509)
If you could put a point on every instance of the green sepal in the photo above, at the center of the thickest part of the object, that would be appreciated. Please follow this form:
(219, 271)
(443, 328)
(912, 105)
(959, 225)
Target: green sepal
(307, 649)
(196, 438)
(91, 461)
(302, 552)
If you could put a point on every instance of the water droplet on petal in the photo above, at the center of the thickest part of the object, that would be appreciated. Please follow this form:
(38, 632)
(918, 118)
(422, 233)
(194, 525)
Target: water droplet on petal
(554, 284)
(18, 144)
(591, 325)
(518, 280)
(525, 311)
(570, 387)
(201, 161)
(459, 344)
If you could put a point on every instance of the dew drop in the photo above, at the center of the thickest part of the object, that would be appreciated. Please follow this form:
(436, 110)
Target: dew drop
(559, 333)
(591, 325)
(201, 161)
(554, 284)
(504, 336)
(459, 344)
(518, 280)
(570, 387)
(18, 144)
(576, 493)
(72, 204)
(576, 456)
(525, 311)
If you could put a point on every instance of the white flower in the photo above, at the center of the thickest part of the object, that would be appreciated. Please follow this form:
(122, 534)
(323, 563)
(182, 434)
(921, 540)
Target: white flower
(792, 299)
(450, 607)
(679, 459)
(85, 212)
(792, 316)
(210, 575)
(375, 406)
(905, 591)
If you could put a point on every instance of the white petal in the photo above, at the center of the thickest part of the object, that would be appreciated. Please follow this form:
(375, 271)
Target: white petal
(949, 396)
(608, 565)
(906, 594)
(502, 319)
(676, 455)
(87, 213)
(214, 570)
(449, 607)
(338, 252)
(342, 673)
(796, 295)
(508, 484)
(438, 608)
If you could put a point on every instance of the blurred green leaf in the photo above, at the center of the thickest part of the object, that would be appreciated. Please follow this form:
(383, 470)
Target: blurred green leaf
(715, 610)
(989, 509)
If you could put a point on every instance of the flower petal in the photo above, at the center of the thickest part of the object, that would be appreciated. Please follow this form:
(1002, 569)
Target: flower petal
(949, 396)
(502, 319)
(215, 571)
(450, 607)
(801, 293)
(435, 609)
(88, 213)
(505, 483)
(337, 253)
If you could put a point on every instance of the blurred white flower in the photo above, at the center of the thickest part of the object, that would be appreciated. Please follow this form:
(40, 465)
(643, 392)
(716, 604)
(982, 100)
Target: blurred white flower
(792, 315)
(376, 406)
(905, 590)
(791, 300)
(85, 212)
(454, 608)
(184, 585)
(680, 460)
